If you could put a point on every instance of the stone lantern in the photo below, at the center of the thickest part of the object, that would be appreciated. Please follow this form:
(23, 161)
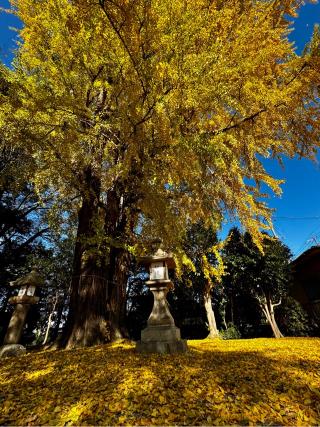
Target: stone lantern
(23, 301)
(161, 334)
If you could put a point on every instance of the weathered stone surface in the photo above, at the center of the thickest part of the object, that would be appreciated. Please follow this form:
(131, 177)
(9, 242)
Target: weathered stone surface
(160, 314)
(164, 347)
(32, 278)
(16, 324)
(160, 333)
(23, 302)
(23, 299)
(12, 350)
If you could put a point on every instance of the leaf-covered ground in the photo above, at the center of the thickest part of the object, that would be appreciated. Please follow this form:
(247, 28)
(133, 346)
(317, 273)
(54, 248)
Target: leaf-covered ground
(255, 382)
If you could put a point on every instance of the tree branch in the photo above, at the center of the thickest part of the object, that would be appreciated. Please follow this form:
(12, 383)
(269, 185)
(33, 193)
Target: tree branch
(117, 31)
(275, 305)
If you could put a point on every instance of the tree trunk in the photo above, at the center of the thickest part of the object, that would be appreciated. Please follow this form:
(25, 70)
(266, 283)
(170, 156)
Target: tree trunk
(275, 329)
(86, 323)
(98, 287)
(213, 331)
(268, 310)
(119, 267)
(50, 319)
(232, 308)
(223, 315)
(116, 228)
(55, 329)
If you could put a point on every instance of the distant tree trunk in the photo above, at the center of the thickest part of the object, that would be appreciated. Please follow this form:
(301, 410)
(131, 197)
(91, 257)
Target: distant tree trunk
(268, 310)
(55, 329)
(223, 315)
(213, 331)
(50, 318)
(232, 308)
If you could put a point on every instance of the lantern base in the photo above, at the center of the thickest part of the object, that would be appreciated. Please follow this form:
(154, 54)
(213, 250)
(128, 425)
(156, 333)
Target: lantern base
(161, 339)
(160, 333)
(12, 350)
(163, 347)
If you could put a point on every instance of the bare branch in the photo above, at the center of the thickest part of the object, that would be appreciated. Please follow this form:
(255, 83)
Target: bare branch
(275, 305)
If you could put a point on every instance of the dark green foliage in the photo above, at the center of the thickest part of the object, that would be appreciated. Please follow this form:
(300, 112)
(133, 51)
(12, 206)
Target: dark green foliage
(21, 241)
(186, 306)
(257, 274)
(293, 318)
(231, 333)
(26, 239)
(139, 305)
(254, 280)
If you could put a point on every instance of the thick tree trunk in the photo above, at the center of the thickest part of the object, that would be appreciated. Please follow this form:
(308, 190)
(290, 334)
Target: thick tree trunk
(98, 288)
(86, 323)
(268, 311)
(119, 266)
(213, 330)
(116, 228)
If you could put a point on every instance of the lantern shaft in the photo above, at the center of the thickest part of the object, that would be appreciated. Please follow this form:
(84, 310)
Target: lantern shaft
(160, 314)
(16, 324)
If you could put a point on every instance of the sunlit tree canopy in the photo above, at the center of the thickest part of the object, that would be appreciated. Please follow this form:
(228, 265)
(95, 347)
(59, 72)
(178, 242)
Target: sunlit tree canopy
(178, 101)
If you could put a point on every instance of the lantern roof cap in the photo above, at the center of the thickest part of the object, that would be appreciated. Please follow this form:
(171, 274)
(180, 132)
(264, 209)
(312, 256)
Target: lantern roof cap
(33, 278)
(160, 255)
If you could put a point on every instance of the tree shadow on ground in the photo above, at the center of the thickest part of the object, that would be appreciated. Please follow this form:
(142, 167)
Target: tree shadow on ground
(212, 384)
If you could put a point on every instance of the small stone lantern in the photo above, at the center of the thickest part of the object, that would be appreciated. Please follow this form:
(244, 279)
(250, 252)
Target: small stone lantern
(23, 301)
(161, 334)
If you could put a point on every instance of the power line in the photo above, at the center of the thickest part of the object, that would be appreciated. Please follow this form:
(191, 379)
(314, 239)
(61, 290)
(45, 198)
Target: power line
(297, 217)
(311, 236)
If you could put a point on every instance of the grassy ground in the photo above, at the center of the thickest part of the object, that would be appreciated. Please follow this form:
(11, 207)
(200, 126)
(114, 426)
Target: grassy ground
(246, 382)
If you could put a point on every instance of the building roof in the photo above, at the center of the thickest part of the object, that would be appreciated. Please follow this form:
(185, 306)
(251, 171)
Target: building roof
(306, 256)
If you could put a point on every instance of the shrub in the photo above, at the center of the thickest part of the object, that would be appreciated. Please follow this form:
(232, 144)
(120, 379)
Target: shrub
(231, 333)
(293, 319)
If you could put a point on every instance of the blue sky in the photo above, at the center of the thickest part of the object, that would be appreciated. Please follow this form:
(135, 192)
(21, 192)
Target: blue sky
(297, 216)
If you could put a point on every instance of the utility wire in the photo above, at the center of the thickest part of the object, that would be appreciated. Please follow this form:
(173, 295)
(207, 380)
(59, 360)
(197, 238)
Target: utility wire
(311, 236)
(296, 217)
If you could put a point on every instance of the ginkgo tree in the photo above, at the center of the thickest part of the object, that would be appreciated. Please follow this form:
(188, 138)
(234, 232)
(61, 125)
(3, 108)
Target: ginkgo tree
(150, 115)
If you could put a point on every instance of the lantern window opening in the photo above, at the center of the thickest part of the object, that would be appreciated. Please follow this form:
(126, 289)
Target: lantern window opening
(28, 290)
(22, 290)
(31, 290)
(158, 271)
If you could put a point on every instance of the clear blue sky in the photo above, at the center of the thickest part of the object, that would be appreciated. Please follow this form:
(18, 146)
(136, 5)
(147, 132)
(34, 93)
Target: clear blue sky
(297, 216)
